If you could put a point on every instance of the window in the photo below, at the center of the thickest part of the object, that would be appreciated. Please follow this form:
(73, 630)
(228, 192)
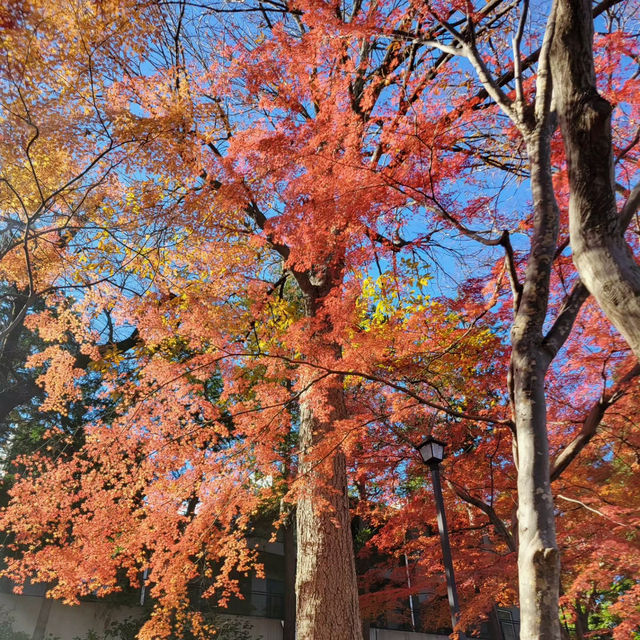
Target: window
(509, 623)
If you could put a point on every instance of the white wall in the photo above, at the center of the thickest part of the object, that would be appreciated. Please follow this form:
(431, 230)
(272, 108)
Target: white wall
(62, 621)
(66, 622)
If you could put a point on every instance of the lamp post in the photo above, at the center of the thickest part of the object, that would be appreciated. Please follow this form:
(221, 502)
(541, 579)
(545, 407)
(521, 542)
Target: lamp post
(432, 453)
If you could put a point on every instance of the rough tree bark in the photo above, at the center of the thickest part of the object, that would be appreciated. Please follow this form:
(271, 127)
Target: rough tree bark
(289, 627)
(327, 604)
(601, 255)
(326, 588)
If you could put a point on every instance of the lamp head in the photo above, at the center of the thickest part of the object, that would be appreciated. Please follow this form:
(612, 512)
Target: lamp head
(431, 451)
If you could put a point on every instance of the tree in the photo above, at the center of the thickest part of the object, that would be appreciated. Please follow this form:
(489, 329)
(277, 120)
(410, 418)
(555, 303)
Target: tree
(533, 351)
(311, 146)
(62, 142)
(604, 260)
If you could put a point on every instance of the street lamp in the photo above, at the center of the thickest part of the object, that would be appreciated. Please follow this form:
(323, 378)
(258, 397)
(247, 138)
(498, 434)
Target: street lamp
(432, 453)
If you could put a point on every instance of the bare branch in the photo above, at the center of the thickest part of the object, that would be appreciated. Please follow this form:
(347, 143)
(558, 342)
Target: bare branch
(599, 513)
(516, 285)
(561, 328)
(543, 81)
(591, 423)
(384, 381)
(534, 56)
(630, 207)
(517, 62)
(488, 510)
(629, 147)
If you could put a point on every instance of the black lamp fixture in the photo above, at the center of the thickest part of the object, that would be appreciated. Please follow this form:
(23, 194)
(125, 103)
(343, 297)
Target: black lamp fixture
(432, 451)
(432, 454)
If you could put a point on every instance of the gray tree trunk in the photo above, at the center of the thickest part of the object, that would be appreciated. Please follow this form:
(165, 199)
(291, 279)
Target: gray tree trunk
(43, 619)
(538, 558)
(601, 255)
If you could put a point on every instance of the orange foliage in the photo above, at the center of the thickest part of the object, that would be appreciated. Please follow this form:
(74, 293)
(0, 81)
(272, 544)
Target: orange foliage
(192, 197)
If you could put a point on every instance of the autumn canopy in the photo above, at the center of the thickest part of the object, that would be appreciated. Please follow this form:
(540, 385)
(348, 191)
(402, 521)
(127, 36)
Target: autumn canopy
(253, 253)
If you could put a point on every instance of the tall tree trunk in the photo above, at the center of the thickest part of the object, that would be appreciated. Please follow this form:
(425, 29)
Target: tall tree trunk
(538, 559)
(290, 552)
(326, 587)
(358, 527)
(582, 621)
(43, 619)
(366, 628)
(601, 255)
(327, 606)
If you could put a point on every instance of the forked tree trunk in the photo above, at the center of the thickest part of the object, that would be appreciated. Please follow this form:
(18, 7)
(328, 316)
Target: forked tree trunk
(601, 255)
(538, 559)
(326, 587)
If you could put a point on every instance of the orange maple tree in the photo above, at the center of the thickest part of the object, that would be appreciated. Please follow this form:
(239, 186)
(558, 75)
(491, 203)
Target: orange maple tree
(277, 198)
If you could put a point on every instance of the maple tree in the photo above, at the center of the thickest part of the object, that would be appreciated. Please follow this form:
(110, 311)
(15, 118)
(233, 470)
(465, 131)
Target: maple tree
(295, 181)
(61, 145)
